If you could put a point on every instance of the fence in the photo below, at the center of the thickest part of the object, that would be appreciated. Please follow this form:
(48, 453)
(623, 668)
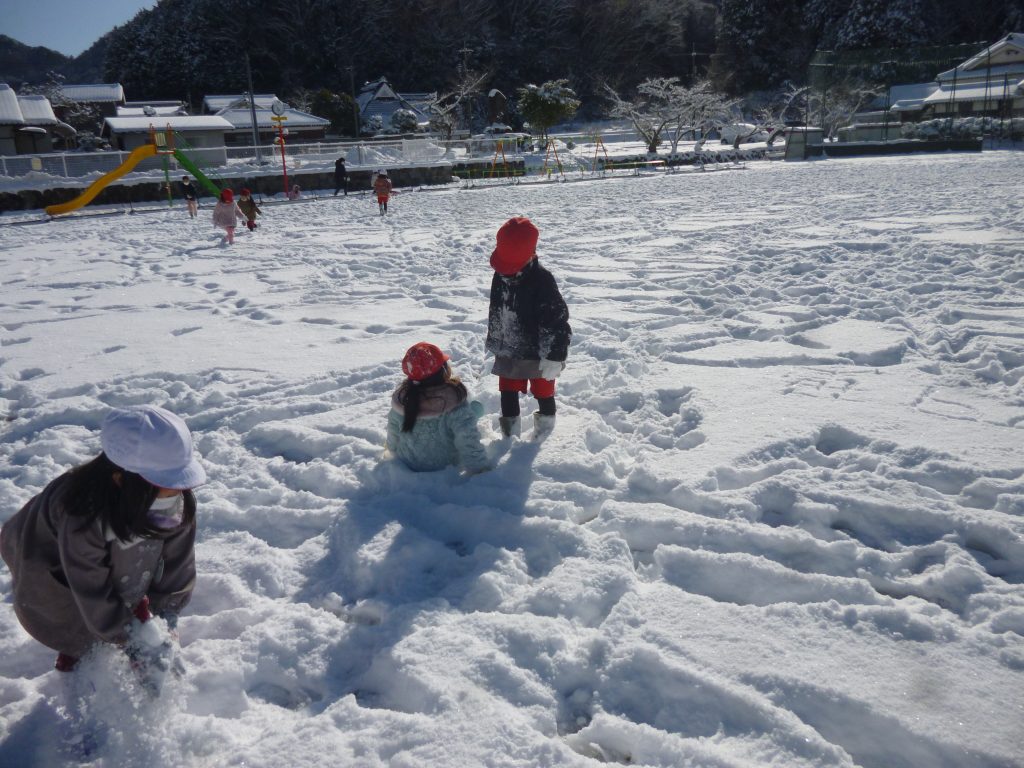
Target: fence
(219, 161)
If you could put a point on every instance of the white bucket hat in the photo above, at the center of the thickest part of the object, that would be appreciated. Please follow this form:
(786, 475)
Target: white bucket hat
(153, 443)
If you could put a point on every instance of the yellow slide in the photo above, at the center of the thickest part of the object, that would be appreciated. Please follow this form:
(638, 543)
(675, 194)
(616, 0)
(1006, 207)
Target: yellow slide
(137, 155)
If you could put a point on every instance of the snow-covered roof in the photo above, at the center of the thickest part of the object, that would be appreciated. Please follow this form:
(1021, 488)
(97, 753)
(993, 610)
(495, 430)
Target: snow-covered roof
(10, 110)
(379, 98)
(1009, 50)
(152, 103)
(182, 123)
(1004, 58)
(992, 91)
(37, 110)
(215, 104)
(912, 96)
(151, 110)
(242, 118)
(96, 92)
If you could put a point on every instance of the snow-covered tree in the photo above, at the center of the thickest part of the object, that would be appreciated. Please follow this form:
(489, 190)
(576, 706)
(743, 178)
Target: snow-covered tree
(80, 116)
(547, 104)
(664, 107)
(404, 121)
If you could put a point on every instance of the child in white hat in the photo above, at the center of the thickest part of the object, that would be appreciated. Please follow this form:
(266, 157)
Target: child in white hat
(109, 544)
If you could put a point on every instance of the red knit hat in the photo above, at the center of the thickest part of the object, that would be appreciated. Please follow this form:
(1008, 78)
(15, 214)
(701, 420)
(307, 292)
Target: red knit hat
(423, 360)
(517, 244)
(227, 196)
(245, 192)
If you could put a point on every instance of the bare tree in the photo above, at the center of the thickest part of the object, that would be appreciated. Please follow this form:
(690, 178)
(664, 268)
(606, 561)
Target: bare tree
(836, 107)
(666, 108)
(445, 109)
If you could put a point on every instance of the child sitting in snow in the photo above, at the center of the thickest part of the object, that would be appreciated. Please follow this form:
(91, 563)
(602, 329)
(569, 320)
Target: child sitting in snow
(226, 214)
(110, 543)
(527, 328)
(248, 206)
(431, 424)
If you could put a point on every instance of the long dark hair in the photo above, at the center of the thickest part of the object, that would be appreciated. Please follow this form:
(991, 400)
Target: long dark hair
(410, 393)
(92, 494)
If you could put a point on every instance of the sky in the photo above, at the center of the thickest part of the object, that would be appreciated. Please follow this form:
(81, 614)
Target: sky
(779, 522)
(67, 26)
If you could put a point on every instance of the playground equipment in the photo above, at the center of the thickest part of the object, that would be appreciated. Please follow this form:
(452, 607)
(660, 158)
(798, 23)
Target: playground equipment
(158, 145)
(551, 150)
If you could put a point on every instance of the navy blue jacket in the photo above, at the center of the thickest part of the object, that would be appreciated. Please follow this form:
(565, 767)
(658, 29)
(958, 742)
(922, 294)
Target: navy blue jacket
(528, 318)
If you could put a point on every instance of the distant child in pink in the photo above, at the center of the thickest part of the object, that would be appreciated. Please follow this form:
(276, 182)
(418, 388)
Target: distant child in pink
(226, 214)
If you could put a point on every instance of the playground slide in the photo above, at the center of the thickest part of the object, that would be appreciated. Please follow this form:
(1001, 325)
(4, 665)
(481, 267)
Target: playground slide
(189, 166)
(137, 155)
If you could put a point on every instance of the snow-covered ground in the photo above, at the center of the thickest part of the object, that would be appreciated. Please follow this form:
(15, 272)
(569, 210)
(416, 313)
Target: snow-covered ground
(779, 522)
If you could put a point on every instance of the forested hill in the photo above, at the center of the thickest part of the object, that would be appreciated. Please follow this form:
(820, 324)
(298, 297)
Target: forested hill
(20, 63)
(189, 48)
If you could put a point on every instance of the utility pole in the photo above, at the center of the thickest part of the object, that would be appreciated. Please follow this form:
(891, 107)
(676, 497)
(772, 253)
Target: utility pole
(355, 104)
(464, 52)
(252, 112)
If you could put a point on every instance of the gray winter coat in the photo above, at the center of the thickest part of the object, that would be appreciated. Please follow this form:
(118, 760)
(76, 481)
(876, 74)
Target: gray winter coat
(74, 587)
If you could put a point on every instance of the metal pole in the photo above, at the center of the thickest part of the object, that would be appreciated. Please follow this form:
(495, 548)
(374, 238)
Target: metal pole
(988, 83)
(355, 104)
(284, 166)
(1007, 106)
(952, 102)
(252, 112)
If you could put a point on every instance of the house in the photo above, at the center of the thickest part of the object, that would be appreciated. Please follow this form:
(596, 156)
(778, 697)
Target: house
(201, 134)
(907, 102)
(151, 109)
(214, 104)
(28, 124)
(989, 83)
(298, 126)
(378, 101)
(104, 96)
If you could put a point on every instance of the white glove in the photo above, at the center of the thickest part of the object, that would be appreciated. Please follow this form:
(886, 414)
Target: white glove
(549, 369)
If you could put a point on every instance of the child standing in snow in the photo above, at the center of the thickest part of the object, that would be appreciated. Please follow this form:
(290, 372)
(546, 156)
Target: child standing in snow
(226, 214)
(527, 328)
(382, 188)
(430, 424)
(109, 544)
(191, 198)
(248, 206)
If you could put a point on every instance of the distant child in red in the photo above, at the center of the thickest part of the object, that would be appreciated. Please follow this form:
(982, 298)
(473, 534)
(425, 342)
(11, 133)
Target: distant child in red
(248, 206)
(226, 214)
(382, 188)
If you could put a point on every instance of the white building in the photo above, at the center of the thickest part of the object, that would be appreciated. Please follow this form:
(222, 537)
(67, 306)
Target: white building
(989, 83)
(28, 124)
(199, 132)
(299, 126)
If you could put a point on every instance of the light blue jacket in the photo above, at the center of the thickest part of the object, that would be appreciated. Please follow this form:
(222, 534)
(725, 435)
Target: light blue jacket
(445, 432)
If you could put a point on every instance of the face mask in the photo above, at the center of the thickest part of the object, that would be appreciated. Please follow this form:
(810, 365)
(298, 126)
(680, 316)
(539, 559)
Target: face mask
(167, 512)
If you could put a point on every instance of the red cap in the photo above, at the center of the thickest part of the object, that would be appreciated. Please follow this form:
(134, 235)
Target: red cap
(227, 196)
(423, 360)
(245, 192)
(517, 244)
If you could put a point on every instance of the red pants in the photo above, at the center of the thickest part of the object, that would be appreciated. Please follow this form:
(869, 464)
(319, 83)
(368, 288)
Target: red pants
(539, 387)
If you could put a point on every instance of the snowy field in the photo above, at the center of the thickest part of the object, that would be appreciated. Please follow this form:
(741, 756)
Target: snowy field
(780, 521)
